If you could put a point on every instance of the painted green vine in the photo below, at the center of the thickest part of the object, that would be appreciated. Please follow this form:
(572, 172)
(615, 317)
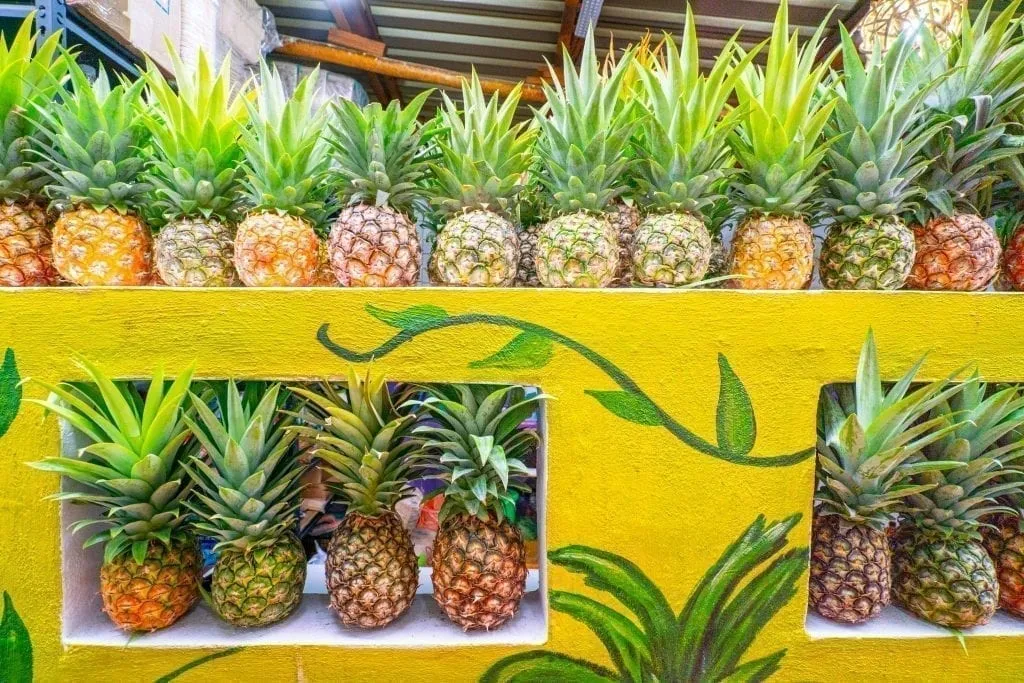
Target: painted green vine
(534, 347)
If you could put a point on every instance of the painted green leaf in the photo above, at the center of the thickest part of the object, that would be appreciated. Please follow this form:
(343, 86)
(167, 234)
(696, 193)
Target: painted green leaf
(196, 663)
(15, 646)
(413, 318)
(526, 351)
(542, 665)
(10, 391)
(735, 419)
(629, 406)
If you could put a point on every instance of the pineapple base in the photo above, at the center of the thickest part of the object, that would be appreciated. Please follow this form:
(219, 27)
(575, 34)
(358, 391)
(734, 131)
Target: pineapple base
(772, 252)
(195, 253)
(872, 254)
(850, 570)
(374, 246)
(955, 253)
(577, 250)
(102, 248)
(670, 249)
(476, 249)
(371, 569)
(946, 581)
(1005, 544)
(26, 258)
(276, 250)
(259, 587)
(479, 571)
(156, 593)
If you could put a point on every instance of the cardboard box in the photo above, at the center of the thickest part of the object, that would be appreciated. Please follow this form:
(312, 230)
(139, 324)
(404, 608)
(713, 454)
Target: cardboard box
(140, 25)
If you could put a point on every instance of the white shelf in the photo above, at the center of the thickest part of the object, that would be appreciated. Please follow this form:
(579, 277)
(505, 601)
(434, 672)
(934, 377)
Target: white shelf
(896, 623)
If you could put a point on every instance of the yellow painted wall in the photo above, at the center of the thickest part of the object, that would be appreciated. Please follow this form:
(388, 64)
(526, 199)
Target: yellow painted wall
(631, 489)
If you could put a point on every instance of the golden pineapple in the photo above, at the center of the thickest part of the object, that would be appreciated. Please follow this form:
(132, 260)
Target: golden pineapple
(26, 258)
(285, 188)
(378, 165)
(779, 147)
(362, 440)
(105, 247)
(476, 446)
(155, 593)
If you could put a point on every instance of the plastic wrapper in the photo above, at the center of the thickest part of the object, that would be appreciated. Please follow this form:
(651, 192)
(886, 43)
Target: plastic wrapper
(329, 85)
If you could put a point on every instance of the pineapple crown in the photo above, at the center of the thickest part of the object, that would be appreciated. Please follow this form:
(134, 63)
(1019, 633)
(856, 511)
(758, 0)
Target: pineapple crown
(247, 484)
(133, 466)
(877, 130)
(974, 427)
(478, 447)
(362, 440)
(195, 131)
(484, 155)
(784, 109)
(870, 441)
(584, 129)
(981, 84)
(379, 154)
(683, 142)
(285, 158)
(31, 72)
(91, 143)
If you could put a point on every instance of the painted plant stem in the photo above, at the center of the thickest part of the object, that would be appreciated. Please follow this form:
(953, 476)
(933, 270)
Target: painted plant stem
(624, 381)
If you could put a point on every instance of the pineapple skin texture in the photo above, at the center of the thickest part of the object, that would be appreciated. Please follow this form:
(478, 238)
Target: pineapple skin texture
(259, 587)
(577, 250)
(477, 249)
(374, 246)
(624, 219)
(1005, 544)
(526, 273)
(103, 248)
(946, 581)
(479, 571)
(276, 250)
(850, 570)
(1012, 274)
(876, 254)
(670, 249)
(26, 257)
(372, 573)
(324, 273)
(195, 253)
(155, 594)
(773, 252)
(959, 253)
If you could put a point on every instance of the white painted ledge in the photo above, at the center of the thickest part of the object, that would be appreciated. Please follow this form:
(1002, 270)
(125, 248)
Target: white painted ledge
(896, 623)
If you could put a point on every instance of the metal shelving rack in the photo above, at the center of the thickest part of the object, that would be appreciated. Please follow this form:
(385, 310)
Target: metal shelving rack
(53, 15)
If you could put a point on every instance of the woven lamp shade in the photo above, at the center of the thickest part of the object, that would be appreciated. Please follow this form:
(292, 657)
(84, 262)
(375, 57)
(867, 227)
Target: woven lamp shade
(888, 18)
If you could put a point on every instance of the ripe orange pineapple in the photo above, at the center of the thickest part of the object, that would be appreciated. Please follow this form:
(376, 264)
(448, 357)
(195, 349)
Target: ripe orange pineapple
(151, 563)
(1004, 541)
(959, 252)
(778, 145)
(276, 245)
(31, 77)
(93, 136)
(1010, 228)
(378, 164)
(479, 558)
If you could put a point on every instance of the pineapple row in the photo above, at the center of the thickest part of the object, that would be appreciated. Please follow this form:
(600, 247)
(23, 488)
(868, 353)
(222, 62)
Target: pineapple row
(188, 458)
(919, 499)
(625, 177)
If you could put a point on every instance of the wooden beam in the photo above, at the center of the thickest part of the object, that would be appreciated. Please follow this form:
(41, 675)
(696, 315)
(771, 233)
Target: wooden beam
(356, 18)
(850, 21)
(355, 41)
(334, 6)
(297, 48)
(566, 38)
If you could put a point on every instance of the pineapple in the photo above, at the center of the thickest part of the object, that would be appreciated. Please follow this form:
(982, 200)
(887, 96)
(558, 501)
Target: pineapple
(584, 131)
(362, 441)
(1008, 225)
(526, 273)
(247, 488)
(941, 571)
(1003, 537)
(92, 137)
(878, 129)
(861, 481)
(683, 152)
(482, 167)
(285, 164)
(981, 75)
(778, 145)
(476, 446)
(379, 165)
(625, 218)
(132, 470)
(195, 131)
(30, 81)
